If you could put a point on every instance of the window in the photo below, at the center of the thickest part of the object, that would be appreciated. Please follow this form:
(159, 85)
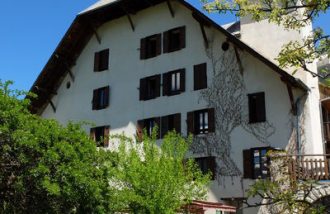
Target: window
(150, 46)
(174, 82)
(207, 164)
(256, 163)
(101, 98)
(170, 123)
(101, 60)
(100, 135)
(150, 87)
(200, 76)
(174, 39)
(257, 107)
(201, 121)
(148, 125)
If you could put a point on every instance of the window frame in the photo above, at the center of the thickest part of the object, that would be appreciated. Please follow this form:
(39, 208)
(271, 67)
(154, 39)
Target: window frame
(200, 76)
(169, 123)
(168, 43)
(103, 102)
(101, 60)
(167, 82)
(209, 163)
(257, 107)
(145, 45)
(193, 122)
(145, 87)
(105, 130)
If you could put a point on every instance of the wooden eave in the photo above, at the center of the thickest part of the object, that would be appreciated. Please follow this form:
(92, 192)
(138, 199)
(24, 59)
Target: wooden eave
(83, 28)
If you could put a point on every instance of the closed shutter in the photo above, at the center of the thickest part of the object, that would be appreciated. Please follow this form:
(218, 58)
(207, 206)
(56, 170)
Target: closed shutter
(95, 101)
(211, 120)
(190, 123)
(139, 130)
(143, 88)
(158, 44)
(261, 107)
(158, 79)
(177, 122)
(92, 134)
(104, 60)
(143, 48)
(182, 37)
(166, 84)
(106, 96)
(212, 166)
(106, 136)
(164, 126)
(257, 108)
(166, 43)
(96, 61)
(248, 163)
(200, 76)
(157, 121)
(182, 80)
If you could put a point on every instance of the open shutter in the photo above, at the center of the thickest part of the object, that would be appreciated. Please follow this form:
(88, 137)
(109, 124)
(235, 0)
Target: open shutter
(157, 121)
(212, 166)
(143, 88)
(158, 79)
(211, 120)
(92, 134)
(95, 100)
(177, 123)
(164, 126)
(166, 84)
(106, 96)
(97, 61)
(158, 44)
(139, 130)
(248, 163)
(182, 37)
(143, 48)
(182, 80)
(166, 37)
(190, 123)
(261, 107)
(106, 136)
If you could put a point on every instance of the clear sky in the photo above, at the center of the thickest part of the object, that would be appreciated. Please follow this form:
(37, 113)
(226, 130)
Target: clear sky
(31, 30)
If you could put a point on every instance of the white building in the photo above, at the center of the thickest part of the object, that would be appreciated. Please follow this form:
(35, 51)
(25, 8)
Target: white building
(129, 64)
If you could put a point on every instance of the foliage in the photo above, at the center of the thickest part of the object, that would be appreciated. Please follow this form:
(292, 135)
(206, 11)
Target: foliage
(45, 167)
(292, 14)
(152, 179)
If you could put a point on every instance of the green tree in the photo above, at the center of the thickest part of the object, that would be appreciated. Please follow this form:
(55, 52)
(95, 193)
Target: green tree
(292, 14)
(46, 167)
(154, 179)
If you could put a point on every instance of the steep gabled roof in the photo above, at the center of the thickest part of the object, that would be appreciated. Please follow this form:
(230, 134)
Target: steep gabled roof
(85, 25)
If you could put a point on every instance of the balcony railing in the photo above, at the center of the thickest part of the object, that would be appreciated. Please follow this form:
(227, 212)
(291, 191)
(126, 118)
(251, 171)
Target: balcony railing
(308, 167)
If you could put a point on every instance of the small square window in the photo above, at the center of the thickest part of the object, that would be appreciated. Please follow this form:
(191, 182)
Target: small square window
(170, 123)
(150, 87)
(101, 98)
(174, 39)
(100, 135)
(101, 60)
(201, 121)
(150, 46)
(207, 164)
(148, 125)
(174, 82)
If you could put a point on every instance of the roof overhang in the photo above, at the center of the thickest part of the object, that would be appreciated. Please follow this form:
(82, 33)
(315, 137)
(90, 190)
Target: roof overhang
(85, 25)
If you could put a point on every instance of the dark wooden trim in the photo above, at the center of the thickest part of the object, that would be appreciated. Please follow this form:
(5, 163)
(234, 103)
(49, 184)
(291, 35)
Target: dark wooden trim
(170, 8)
(71, 74)
(238, 58)
(291, 97)
(52, 105)
(130, 21)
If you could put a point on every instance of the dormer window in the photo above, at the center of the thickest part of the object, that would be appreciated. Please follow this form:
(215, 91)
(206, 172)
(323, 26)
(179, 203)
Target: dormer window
(174, 39)
(101, 60)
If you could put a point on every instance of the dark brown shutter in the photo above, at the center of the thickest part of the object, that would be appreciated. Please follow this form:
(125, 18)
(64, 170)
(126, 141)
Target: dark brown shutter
(248, 163)
(106, 96)
(177, 122)
(212, 166)
(200, 76)
(157, 121)
(143, 48)
(166, 43)
(182, 80)
(158, 44)
(182, 37)
(166, 84)
(211, 120)
(92, 134)
(143, 88)
(106, 136)
(158, 79)
(164, 126)
(139, 130)
(95, 99)
(104, 60)
(261, 107)
(96, 61)
(190, 123)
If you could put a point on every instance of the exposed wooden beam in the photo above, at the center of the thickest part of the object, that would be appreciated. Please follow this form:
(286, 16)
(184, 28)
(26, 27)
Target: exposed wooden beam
(206, 42)
(238, 58)
(130, 21)
(52, 105)
(71, 74)
(45, 90)
(98, 38)
(170, 8)
(293, 106)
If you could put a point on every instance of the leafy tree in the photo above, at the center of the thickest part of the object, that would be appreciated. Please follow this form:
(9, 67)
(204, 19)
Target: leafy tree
(292, 14)
(46, 167)
(154, 179)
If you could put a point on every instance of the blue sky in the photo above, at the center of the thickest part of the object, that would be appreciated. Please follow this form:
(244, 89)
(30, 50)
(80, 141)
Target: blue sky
(31, 30)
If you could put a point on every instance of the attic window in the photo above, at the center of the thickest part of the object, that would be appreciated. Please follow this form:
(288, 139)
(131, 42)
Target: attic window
(174, 39)
(101, 60)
